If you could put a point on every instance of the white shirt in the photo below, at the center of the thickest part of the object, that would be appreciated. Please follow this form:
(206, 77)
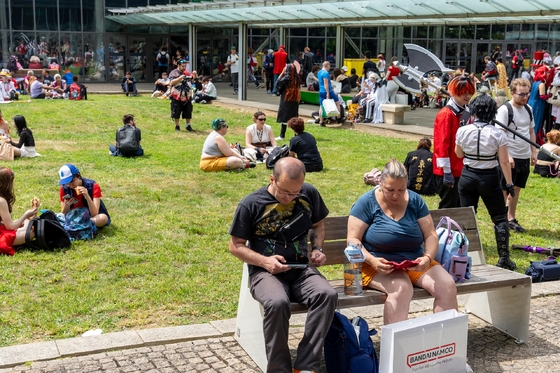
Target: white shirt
(259, 136)
(517, 147)
(234, 67)
(491, 139)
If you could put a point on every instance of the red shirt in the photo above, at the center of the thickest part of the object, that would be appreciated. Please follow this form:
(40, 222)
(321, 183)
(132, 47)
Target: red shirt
(395, 71)
(446, 125)
(80, 203)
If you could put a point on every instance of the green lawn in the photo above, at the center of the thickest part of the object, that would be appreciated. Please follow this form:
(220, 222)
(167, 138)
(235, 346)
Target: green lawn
(165, 260)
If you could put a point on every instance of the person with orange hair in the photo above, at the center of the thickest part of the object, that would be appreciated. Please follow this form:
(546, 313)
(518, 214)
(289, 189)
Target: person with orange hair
(547, 166)
(447, 166)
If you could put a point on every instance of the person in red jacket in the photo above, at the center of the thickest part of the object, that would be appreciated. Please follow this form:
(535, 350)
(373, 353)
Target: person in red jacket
(279, 59)
(446, 165)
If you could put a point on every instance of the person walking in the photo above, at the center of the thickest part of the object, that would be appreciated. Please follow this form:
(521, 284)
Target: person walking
(280, 59)
(233, 67)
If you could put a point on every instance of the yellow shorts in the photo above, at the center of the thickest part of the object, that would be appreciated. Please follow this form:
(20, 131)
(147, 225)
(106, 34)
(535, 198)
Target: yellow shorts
(213, 164)
(368, 273)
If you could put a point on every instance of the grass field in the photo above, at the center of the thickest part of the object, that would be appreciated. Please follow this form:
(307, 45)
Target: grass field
(164, 260)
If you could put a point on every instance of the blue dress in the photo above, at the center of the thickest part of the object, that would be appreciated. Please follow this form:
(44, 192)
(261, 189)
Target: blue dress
(538, 106)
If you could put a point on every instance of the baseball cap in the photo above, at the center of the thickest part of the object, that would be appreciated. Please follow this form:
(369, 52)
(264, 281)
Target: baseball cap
(67, 173)
(344, 68)
(218, 123)
(281, 47)
(233, 47)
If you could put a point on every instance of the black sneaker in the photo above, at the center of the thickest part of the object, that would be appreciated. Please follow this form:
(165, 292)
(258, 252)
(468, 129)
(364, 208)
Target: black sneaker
(189, 128)
(177, 128)
(514, 226)
(506, 263)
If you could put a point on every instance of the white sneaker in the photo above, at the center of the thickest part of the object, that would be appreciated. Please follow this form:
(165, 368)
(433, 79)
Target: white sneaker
(203, 101)
(279, 138)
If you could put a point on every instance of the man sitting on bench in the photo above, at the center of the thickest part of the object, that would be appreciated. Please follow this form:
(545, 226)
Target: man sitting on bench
(279, 269)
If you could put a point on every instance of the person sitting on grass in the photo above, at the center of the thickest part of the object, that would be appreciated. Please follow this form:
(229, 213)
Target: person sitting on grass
(37, 89)
(217, 155)
(128, 84)
(259, 138)
(127, 139)
(77, 191)
(208, 92)
(304, 146)
(76, 90)
(25, 148)
(12, 232)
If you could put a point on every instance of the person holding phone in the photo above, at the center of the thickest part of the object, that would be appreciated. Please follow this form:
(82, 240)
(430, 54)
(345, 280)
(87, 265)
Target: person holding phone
(277, 221)
(77, 191)
(393, 224)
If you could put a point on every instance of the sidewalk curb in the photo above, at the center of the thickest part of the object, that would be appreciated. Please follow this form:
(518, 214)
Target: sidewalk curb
(79, 346)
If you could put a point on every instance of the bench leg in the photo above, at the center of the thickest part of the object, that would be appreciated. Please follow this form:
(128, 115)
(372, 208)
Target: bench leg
(249, 325)
(508, 309)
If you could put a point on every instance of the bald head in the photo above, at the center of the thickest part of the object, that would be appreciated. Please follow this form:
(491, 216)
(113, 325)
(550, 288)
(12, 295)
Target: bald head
(289, 167)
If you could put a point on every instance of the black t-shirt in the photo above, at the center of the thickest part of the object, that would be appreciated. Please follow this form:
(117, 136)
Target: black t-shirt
(25, 138)
(353, 80)
(305, 146)
(370, 66)
(276, 229)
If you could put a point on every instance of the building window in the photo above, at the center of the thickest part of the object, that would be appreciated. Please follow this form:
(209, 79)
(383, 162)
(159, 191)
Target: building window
(70, 13)
(22, 15)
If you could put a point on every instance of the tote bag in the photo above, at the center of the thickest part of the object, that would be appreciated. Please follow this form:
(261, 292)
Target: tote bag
(6, 152)
(329, 108)
(428, 344)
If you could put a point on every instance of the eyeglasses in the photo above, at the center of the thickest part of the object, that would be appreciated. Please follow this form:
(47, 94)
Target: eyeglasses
(526, 94)
(261, 119)
(286, 193)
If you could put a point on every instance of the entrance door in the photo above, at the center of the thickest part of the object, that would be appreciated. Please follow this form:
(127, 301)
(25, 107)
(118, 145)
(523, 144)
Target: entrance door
(451, 55)
(211, 56)
(137, 57)
(155, 46)
(117, 57)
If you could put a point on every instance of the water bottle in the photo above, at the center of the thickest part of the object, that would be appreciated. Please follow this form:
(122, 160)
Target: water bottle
(353, 270)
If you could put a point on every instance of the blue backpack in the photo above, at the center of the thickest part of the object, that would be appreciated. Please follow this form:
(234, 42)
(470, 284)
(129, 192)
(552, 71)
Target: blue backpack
(346, 352)
(79, 225)
(453, 249)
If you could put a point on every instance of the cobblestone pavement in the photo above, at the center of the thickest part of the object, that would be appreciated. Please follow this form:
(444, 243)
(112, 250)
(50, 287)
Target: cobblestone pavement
(489, 351)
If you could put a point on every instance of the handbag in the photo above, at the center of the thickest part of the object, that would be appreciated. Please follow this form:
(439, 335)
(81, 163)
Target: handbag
(428, 344)
(329, 108)
(453, 249)
(546, 270)
(6, 152)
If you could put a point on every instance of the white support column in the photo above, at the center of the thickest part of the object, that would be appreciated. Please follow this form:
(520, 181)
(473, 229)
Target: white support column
(339, 51)
(192, 47)
(242, 42)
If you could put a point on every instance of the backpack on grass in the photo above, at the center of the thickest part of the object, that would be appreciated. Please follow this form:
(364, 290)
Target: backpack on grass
(127, 141)
(277, 153)
(79, 225)
(348, 346)
(49, 233)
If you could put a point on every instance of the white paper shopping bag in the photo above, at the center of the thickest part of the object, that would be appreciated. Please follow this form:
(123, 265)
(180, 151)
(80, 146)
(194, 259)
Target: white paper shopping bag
(430, 344)
(329, 108)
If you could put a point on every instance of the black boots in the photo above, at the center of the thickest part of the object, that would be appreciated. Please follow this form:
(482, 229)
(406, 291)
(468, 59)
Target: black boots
(501, 230)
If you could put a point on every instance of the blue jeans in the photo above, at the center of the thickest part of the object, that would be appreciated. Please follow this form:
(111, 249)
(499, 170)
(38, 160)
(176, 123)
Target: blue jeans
(275, 80)
(127, 88)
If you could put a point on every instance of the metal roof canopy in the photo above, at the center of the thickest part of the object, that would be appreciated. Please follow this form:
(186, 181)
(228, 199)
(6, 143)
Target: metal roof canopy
(313, 13)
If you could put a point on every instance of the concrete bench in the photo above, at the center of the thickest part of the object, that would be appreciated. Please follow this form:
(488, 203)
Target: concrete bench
(37, 72)
(394, 113)
(498, 296)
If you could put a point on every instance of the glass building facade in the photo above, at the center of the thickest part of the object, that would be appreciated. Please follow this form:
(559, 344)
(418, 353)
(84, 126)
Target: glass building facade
(77, 35)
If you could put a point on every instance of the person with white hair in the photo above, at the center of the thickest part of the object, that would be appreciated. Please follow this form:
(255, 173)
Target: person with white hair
(35, 63)
(59, 87)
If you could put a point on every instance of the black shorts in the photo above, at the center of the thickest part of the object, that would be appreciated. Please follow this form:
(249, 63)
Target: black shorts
(40, 95)
(520, 173)
(179, 108)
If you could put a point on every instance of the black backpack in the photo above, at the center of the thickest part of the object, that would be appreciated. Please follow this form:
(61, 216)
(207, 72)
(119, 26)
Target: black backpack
(49, 233)
(126, 140)
(277, 153)
(163, 58)
(510, 114)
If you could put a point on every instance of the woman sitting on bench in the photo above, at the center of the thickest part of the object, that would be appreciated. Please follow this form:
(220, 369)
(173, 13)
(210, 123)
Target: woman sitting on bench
(391, 224)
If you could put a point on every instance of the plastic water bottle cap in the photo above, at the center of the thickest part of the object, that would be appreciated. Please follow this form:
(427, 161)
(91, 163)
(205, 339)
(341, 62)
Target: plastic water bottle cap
(354, 254)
